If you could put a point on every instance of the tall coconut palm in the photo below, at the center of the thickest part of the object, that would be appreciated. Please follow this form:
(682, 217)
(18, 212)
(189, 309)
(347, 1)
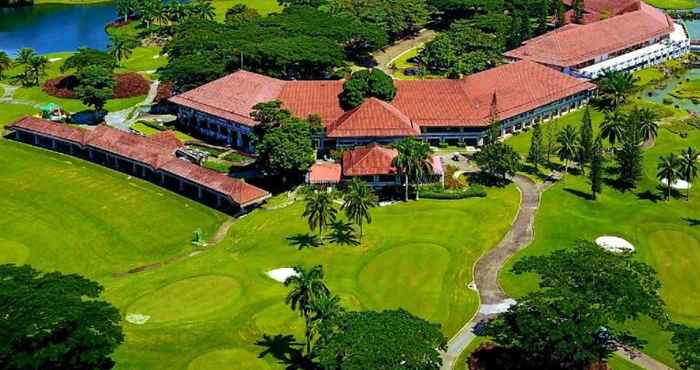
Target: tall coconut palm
(357, 202)
(689, 167)
(36, 68)
(668, 170)
(568, 145)
(422, 165)
(176, 11)
(24, 56)
(412, 161)
(613, 126)
(403, 162)
(202, 9)
(307, 288)
(648, 123)
(5, 63)
(320, 210)
(125, 8)
(614, 88)
(120, 48)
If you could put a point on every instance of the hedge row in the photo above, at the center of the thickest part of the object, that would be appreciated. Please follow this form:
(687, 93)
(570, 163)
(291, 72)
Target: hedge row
(474, 191)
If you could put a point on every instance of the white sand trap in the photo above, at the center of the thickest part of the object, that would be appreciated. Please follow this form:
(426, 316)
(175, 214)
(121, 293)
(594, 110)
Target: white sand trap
(52, 60)
(282, 274)
(500, 307)
(614, 244)
(677, 185)
(137, 318)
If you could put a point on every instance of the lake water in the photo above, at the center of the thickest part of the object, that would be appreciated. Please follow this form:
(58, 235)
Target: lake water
(52, 27)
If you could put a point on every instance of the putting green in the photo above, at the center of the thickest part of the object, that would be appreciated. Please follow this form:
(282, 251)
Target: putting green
(228, 359)
(12, 251)
(680, 276)
(410, 277)
(188, 298)
(275, 317)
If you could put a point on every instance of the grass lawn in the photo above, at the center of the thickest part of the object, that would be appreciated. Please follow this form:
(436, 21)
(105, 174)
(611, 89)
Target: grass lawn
(262, 6)
(673, 4)
(688, 90)
(647, 77)
(209, 310)
(70, 2)
(150, 131)
(660, 230)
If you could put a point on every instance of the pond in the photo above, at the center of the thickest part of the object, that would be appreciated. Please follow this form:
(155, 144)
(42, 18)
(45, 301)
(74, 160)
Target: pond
(659, 94)
(49, 28)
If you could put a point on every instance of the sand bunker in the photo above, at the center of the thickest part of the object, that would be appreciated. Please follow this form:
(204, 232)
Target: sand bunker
(500, 307)
(281, 274)
(614, 244)
(137, 318)
(677, 185)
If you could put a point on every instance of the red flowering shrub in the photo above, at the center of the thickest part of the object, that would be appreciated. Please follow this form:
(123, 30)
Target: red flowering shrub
(127, 85)
(165, 91)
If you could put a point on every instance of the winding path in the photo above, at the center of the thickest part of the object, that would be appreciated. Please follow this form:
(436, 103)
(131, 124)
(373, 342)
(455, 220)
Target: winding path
(493, 300)
(391, 52)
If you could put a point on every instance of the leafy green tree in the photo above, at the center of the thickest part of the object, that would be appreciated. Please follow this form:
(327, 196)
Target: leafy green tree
(320, 210)
(342, 233)
(269, 115)
(95, 86)
(150, 11)
(307, 287)
(568, 145)
(498, 160)
(24, 58)
(191, 71)
(36, 68)
(551, 132)
(5, 63)
(311, 3)
(629, 157)
(240, 14)
(125, 8)
(535, 155)
(596, 174)
(577, 7)
(614, 87)
(613, 126)
(55, 321)
(689, 167)
(381, 341)
(202, 9)
(358, 200)
(287, 150)
(176, 11)
(560, 12)
(364, 84)
(86, 57)
(586, 292)
(542, 16)
(668, 169)
(120, 47)
(397, 18)
(586, 138)
(647, 120)
(687, 342)
(381, 86)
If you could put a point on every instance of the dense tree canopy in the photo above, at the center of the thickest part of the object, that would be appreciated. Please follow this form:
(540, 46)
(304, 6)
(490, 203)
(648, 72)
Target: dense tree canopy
(364, 84)
(498, 160)
(397, 18)
(88, 57)
(95, 86)
(384, 340)
(54, 321)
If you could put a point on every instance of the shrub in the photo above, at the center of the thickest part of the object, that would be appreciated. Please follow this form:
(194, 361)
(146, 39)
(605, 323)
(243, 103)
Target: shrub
(165, 91)
(61, 87)
(438, 192)
(443, 144)
(452, 183)
(129, 85)
(668, 101)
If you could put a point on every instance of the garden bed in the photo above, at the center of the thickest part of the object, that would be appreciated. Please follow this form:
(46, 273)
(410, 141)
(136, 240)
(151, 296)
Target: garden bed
(127, 85)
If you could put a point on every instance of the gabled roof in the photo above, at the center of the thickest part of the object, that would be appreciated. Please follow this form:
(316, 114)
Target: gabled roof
(324, 173)
(156, 151)
(576, 45)
(233, 96)
(372, 159)
(373, 118)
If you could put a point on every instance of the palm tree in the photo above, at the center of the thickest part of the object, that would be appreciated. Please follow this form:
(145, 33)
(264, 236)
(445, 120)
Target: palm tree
(308, 287)
(689, 167)
(358, 200)
(402, 162)
(614, 87)
(413, 161)
(320, 210)
(613, 126)
(325, 308)
(120, 47)
(202, 9)
(176, 11)
(648, 122)
(125, 8)
(24, 56)
(36, 68)
(568, 145)
(5, 63)
(668, 170)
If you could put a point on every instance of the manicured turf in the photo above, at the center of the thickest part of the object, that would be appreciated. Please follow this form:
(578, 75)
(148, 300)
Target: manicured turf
(661, 231)
(150, 131)
(262, 6)
(688, 90)
(673, 4)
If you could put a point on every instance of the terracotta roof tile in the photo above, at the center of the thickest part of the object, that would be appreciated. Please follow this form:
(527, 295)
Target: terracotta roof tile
(57, 130)
(576, 45)
(372, 159)
(324, 172)
(373, 118)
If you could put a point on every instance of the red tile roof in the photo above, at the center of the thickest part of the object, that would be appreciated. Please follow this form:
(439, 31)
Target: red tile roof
(372, 159)
(157, 152)
(576, 45)
(323, 173)
(519, 87)
(373, 118)
(233, 96)
(608, 8)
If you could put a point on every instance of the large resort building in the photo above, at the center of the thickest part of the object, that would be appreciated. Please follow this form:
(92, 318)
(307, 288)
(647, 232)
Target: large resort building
(457, 112)
(154, 159)
(633, 36)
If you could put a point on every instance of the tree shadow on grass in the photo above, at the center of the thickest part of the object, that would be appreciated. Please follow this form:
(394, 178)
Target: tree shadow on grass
(285, 349)
(649, 195)
(302, 241)
(692, 221)
(581, 194)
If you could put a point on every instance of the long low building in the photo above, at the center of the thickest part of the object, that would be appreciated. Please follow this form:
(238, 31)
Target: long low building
(151, 158)
(639, 37)
(452, 111)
